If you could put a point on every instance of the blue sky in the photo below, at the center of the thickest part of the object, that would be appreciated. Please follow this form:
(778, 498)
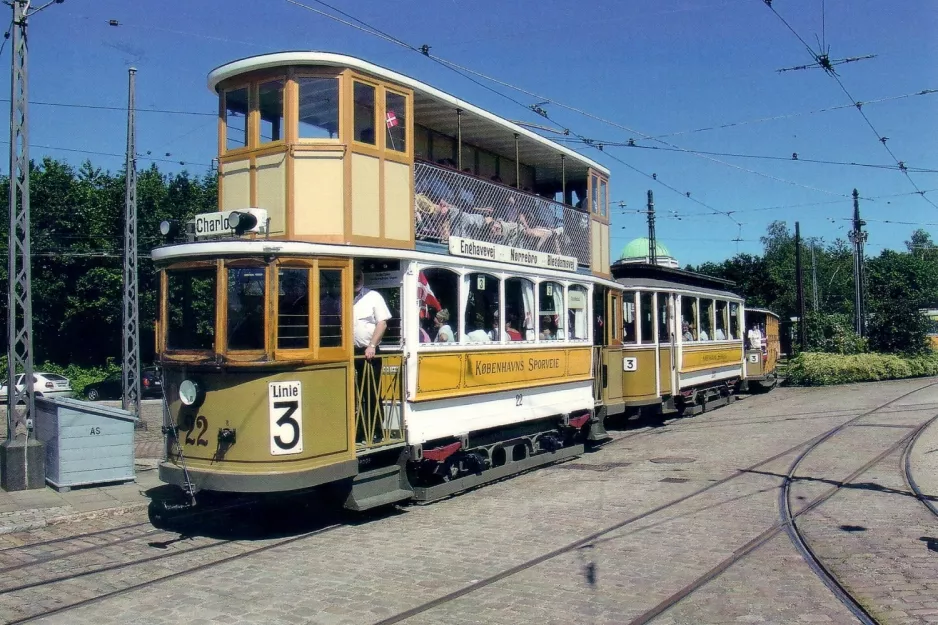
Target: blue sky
(656, 68)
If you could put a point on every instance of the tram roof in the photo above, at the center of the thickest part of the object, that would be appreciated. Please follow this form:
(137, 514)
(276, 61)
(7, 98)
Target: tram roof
(643, 275)
(764, 311)
(434, 108)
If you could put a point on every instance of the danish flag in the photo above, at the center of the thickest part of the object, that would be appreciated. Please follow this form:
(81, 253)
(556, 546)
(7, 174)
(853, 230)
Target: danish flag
(425, 296)
(391, 119)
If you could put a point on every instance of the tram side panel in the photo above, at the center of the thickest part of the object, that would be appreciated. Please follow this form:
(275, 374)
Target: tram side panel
(290, 428)
(462, 392)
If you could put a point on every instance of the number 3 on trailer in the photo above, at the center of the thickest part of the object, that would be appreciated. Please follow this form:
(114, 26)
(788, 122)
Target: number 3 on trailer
(286, 418)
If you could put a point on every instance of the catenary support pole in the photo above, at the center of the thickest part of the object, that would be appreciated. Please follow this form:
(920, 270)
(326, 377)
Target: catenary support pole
(131, 339)
(22, 456)
(802, 323)
(652, 242)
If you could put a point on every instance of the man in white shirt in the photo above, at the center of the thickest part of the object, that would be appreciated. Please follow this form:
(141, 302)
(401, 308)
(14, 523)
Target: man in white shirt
(371, 315)
(755, 338)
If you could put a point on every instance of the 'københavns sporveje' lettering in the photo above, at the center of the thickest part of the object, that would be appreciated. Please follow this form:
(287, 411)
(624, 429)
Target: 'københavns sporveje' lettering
(511, 366)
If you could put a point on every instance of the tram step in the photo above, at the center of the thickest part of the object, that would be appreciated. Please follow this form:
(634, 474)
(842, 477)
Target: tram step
(431, 493)
(377, 487)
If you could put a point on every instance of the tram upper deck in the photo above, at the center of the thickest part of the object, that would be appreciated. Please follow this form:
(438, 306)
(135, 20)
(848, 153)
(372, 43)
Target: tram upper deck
(338, 150)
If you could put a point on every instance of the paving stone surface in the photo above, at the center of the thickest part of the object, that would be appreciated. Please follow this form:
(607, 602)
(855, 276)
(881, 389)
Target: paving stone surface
(599, 539)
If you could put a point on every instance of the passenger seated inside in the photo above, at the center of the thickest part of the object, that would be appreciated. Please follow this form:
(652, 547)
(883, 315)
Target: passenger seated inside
(703, 336)
(511, 328)
(686, 334)
(444, 334)
(719, 335)
(424, 335)
(548, 328)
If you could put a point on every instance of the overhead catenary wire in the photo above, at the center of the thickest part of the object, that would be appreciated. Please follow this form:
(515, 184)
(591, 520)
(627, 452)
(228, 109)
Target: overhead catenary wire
(114, 154)
(799, 114)
(858, 105)
(468, 74)
(796, 158)
(123, 109)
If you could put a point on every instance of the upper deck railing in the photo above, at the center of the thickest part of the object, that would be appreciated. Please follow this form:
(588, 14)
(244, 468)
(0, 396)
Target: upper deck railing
(449, 203)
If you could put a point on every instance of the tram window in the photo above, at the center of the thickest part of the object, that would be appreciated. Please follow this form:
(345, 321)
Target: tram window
(318, 108)
(664, 335)
(706, 320)
(519, 309)
(481, 311)
(191, 303)
(550, 315)
(395, 111)
(720, 332)
(688, 318)
(236, 118)
(602, 198)
(246, 307)
(330, 308)
(578, 313)
(270, 103)
(734, 321)
(441, 298)
(364, 114)
(628, 318)
(648, 318)
(595, 194)
(293, 309)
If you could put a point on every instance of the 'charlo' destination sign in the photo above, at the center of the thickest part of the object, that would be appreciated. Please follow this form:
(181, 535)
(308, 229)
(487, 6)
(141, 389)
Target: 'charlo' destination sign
(459, 246)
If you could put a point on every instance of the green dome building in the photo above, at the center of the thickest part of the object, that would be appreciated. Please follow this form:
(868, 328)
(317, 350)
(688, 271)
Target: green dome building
(637, 252)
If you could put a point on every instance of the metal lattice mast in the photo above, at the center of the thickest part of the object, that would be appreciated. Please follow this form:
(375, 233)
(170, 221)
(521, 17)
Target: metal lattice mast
(131, 342)
(858, 238)
(652, 241)
(19, 300)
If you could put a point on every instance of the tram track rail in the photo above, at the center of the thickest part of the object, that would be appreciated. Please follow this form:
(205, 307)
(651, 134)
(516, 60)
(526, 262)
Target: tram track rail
(157, 580)
(746, 549)
(713, 573)
(906, 467)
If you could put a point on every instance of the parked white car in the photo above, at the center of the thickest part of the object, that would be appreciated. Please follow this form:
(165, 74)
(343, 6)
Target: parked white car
(44, 385)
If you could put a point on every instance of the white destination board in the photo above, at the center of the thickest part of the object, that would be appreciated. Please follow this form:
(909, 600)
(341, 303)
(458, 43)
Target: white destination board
(216, 224)
(459, 246)
(286, 417)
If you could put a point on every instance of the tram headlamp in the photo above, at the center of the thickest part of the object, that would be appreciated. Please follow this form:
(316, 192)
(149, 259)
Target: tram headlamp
(190, 393)
(169, 228)
(241, 222)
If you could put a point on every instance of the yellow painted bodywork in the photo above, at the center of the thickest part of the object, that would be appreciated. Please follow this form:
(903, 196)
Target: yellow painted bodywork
(664, 370)
(641, 383)
(239, 400)
(700, 357)
(457, 374)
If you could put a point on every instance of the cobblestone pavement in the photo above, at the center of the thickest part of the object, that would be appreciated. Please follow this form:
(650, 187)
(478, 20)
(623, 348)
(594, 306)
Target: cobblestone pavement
(609, 537)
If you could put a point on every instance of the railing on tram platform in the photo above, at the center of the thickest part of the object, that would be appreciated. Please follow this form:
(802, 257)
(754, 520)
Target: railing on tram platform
(450, 203)
(379, 405)
(598, 374)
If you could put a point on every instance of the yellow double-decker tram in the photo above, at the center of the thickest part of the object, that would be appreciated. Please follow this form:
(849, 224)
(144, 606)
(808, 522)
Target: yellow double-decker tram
(343, 184)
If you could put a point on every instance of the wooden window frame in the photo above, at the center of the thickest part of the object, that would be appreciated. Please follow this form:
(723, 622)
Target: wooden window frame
(617, 312)
(223, 120)
(368, 148)
(314, 351)
(294, 124)
(243, 355)
(185, 354)
(284, 111)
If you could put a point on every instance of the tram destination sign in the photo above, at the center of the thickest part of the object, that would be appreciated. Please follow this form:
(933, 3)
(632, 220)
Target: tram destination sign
(218, 224)
(471, 248)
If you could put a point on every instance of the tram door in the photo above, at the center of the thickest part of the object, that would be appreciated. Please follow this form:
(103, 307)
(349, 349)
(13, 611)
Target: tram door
(667, 344)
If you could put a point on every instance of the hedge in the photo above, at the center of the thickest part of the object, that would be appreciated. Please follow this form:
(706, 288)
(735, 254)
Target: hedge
(817, 369)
